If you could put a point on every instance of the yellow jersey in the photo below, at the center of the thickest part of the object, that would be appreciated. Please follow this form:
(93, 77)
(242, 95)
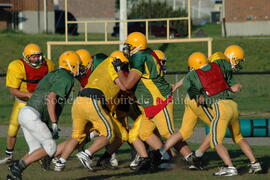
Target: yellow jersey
(103, 78)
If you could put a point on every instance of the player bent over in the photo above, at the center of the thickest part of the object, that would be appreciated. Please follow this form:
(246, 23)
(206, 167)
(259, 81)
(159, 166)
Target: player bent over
(91, 107)
(38, 118)
(223, 109)
(152, 91)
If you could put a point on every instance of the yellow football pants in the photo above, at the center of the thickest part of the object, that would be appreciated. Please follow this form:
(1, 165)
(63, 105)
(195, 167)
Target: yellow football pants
(192, 113)
(225, 115)
(163, 121)
(119, 129)
(86, 110)
(133, 133)
(14, 126)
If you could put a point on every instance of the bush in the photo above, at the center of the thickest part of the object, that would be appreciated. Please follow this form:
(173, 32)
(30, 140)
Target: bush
(145, 10)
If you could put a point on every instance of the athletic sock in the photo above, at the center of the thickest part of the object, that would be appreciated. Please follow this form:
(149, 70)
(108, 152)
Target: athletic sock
(9, 152)
(198, 153)
(88, 152)
(162, 151)
(22, 165)
(62, 160)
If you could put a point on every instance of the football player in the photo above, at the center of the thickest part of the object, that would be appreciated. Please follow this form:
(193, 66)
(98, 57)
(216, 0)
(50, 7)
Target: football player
(39, 117)
(22, 78)
(152, 92)
(211, 85)
(91, 106)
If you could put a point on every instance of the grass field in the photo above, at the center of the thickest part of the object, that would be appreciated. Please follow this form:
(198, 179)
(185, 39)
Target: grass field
(75, 171)
(253, 102)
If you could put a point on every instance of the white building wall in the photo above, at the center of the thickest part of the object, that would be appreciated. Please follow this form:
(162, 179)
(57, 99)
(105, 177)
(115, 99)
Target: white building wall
(248, 28)
(28, 21)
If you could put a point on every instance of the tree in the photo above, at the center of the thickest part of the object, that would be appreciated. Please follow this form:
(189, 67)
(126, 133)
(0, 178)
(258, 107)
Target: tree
(145, 9)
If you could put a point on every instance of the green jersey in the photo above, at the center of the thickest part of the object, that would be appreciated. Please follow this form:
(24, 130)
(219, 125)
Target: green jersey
(97, 59)
(60, 82)
(152, 84)
(194, 87)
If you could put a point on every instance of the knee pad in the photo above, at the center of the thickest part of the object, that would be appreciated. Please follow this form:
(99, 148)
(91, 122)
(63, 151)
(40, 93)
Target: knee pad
(49, 146)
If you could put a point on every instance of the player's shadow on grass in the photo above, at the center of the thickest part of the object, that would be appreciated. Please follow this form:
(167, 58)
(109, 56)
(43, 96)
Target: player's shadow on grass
(212, 160)
(118, 175)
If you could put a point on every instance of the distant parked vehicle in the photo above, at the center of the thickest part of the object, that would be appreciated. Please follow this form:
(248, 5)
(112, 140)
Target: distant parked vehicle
(157, 29)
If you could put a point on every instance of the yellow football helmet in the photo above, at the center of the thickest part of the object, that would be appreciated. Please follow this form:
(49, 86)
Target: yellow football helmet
(235, 55)
(86, 57)
(196, 60)
(70, 61)
(162, 57)
(32, 49)
(160, 54)
(135, 42)
(120, 55)
(216, 56)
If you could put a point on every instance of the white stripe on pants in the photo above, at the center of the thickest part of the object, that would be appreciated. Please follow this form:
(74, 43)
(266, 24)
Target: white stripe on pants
(36, 132)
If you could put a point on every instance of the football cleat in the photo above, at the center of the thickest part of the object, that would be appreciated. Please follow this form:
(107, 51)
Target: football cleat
(86, 160)
(194, 162)
(45, 163)
(54, 160)
(15, 171)
(142, 164)
(133, 165)
(105, 162)
(6, 160)
(255, 168)
(113, 160)
(226, 171)
(59, 166)
(156, 159)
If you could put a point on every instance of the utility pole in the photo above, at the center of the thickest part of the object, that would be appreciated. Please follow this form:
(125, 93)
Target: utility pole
(174, 5)
(45, 18)
(122, 25)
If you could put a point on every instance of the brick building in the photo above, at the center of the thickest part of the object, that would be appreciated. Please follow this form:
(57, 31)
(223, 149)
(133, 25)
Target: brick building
(90, 10)
(247, 17)
(27, 15)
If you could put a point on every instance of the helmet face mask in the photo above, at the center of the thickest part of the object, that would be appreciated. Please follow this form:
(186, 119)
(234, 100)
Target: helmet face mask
(35, 60)
(163, 65)
(126, 50)
(236, 63)
(122, 57)
(162, 58)
(135, 42)
(32, 55)
(235, 55)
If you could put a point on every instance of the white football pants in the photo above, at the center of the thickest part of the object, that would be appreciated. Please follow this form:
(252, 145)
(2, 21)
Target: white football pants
(36, 132)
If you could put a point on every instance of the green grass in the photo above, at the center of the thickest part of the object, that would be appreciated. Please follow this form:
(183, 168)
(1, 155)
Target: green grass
(74, 169)
(253, 98)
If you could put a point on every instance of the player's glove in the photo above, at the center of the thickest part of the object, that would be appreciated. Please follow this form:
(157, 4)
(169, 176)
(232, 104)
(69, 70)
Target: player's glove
(55, 130)
(117, 64)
